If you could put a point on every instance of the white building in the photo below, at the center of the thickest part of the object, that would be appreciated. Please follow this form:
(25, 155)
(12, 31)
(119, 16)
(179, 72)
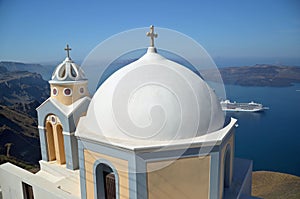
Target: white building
(165, 138)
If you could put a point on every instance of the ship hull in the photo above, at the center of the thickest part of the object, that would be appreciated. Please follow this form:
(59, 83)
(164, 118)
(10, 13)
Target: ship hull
(243, 110)
(241, 107)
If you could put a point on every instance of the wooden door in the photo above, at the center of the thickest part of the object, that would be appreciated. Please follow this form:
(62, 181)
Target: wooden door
(110, 188)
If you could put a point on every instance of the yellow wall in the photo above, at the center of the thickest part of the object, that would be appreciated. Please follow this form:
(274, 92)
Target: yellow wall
(184, 178)
(120, 165)
(222, 161)
(67, 100)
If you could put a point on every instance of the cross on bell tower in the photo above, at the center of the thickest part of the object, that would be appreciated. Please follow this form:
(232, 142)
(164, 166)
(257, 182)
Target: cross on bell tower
(152, 35)
(68, 50)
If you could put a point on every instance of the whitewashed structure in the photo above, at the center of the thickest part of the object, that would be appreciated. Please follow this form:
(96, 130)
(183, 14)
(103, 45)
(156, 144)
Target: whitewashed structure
(154, 129)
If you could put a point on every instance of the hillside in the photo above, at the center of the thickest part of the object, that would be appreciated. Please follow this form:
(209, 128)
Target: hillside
(274, 185)
(45, 71)
(15, 121)
(258, 75)
(22, 87)
(20, 93)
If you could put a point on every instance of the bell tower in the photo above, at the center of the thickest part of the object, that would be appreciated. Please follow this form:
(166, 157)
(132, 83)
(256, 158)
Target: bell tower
(68, 82)
(59, 114)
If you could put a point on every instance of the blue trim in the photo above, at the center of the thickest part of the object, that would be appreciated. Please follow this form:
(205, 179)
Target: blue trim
(109, 150)
(137, 172)
(67, 146)
(215, 166)
(132, 179)
(136, 165)
(71, 151)
(74, 152)
(115, 172)
(141, 178)
(214, 175)
(227, 137)
(68, 124)
(179, 153)
(49, 108)
(82, 170)
(43, 144)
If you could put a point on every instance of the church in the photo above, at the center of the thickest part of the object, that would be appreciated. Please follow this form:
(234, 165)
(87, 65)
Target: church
(166, 138)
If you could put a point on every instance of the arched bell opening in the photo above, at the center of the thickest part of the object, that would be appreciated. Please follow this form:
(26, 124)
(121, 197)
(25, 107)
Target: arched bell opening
(50, 142)
(61, 157)
(55, 139)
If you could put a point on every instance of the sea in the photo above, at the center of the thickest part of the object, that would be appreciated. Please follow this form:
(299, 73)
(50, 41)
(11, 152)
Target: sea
(270, 138)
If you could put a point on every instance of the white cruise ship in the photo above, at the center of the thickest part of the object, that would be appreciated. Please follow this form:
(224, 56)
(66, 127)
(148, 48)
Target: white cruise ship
(242, 107)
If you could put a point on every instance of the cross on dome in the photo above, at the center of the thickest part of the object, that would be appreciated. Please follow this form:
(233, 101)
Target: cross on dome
(152, 35)
(68, 50)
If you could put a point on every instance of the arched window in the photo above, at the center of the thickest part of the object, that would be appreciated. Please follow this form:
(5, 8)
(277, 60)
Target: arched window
(61, 157)
(50, 142)
(106, 179)
(55, 139)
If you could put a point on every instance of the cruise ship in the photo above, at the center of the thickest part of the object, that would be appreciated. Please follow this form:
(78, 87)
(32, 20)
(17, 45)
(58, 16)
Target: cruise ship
(242, 107)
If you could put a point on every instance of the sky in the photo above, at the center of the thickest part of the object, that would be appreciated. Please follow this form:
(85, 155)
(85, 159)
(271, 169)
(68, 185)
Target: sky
(37, 31)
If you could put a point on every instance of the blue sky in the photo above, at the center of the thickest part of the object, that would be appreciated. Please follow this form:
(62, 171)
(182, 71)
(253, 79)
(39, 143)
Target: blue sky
(37, 31)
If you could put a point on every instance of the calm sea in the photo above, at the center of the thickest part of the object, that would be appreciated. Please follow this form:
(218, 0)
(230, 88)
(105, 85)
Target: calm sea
(271, 138)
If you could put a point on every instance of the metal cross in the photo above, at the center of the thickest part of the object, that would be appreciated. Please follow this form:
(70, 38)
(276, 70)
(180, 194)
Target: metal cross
(152, 35)
(68, 50)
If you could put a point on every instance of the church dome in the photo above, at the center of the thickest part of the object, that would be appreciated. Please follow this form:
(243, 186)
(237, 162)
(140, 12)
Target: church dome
(153, 98)
(67, 71)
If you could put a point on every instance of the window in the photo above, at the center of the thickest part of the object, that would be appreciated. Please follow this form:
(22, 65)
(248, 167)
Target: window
(81, 90)
(73, 71)
(53, 120)
(67, 92)
(50, 142)
(62, 72)
(105, 182)
(27, 191)
(54, 91)
(61, 156)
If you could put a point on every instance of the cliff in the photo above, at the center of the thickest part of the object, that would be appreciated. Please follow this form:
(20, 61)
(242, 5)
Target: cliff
(20, 93)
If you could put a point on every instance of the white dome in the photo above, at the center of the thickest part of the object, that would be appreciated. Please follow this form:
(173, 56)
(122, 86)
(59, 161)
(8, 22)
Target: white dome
(153, 98)
(67, 71)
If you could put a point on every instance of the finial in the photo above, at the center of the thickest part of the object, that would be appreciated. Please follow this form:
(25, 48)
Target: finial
(68, 50)
(152, 35)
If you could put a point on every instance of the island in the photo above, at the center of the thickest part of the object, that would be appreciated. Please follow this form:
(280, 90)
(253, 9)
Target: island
(257, 75)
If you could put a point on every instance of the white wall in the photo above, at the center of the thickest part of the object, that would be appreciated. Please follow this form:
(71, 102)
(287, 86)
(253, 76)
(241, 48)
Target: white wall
(11, 178)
